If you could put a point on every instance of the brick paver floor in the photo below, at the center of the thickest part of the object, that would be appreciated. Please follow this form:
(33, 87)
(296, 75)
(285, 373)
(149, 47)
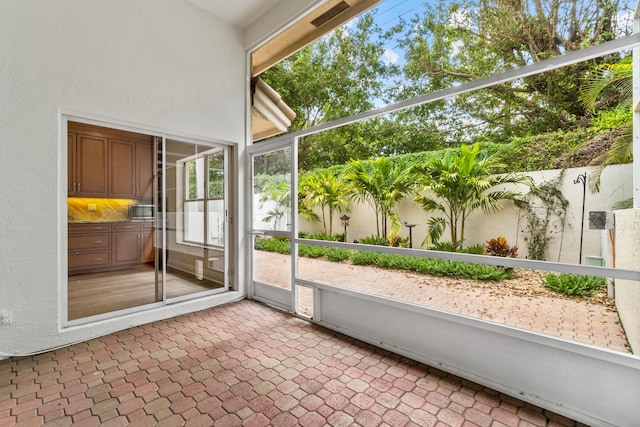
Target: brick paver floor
(569, 318)
(244, 364)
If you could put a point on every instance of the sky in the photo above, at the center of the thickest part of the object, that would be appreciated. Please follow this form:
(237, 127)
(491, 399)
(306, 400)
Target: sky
(389, 12)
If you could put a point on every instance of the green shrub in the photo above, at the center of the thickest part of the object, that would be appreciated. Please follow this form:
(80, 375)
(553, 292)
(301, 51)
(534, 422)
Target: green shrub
(322, 236)
(477, 249)
(442, 247)
(607, 120)
(312, 251)
(364, 258)
(399, 262)
(338, 254)
(573, 284)
(273, 244)
(373, 240)
(432, 266)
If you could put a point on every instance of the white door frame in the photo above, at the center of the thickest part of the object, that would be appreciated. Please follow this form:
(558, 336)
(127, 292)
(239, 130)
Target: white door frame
(260, 291)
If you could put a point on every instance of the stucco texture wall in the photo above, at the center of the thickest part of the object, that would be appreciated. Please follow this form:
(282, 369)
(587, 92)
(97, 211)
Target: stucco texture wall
(162, 64)
(511, 221)
(627, 292)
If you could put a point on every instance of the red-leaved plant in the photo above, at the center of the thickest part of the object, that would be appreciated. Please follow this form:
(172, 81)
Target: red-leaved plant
(500, 247)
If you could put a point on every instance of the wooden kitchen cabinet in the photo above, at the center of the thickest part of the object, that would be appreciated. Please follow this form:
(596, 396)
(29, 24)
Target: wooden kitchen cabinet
(122, 169)
(87, 169)
(147, 248)
(109, 246)
(107, 162)
(130, 169)
(132, 243)
(89, 247)
(144, 170)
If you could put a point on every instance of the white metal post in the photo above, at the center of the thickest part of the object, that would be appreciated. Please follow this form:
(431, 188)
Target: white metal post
(636, 114)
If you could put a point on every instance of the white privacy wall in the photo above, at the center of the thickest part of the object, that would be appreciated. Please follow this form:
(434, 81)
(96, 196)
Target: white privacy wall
(511, 221)
(159, 64)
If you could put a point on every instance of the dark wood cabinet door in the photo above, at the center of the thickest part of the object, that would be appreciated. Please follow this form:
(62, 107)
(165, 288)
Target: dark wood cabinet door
(71, 164)
(146, 247)
(91, 161)
(122, 169)
(125, 248)
(144, 169)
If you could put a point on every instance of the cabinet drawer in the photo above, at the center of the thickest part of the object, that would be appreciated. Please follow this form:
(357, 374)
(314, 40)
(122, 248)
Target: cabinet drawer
(93, 259)
(82, 242)
(126, 226)
(89, 228)
(146, 226)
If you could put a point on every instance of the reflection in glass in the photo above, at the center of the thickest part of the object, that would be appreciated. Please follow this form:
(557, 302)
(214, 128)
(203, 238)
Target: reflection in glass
(112, 258)
(272, 191)
(195, 219)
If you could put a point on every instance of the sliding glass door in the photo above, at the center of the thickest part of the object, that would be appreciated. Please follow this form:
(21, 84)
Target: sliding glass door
(196, 218)
(147, 220)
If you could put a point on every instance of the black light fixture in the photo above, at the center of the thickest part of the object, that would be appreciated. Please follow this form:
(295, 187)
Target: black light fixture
(582, 179)
(345, 223)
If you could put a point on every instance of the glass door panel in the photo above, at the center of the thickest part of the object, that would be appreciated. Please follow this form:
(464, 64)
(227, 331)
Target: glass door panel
(196, 213)
(112, 247)
(156, 234)
(272, 225)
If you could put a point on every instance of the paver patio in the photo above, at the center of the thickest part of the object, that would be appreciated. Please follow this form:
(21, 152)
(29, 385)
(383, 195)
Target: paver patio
(244, 364)
(568, 318)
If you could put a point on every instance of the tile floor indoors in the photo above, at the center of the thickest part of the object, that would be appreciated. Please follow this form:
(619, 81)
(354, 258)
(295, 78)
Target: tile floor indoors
(244, 364)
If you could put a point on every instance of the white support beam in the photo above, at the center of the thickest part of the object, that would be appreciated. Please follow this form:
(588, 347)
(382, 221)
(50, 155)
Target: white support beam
(636, 116)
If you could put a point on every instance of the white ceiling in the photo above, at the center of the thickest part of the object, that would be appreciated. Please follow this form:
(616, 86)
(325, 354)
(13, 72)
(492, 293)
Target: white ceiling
(240, 13)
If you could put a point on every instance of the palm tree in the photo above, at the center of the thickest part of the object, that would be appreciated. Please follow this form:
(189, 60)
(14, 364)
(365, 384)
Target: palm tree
(327, 190)
(278, 196)
(605, 84)
(382, 183)
(457, 184)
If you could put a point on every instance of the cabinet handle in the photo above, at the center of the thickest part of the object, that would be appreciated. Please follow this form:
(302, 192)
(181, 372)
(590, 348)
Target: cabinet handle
(97, 241)
(98, 259)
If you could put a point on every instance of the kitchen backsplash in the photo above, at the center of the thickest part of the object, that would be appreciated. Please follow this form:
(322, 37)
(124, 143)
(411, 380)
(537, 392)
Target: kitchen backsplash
(86, 209)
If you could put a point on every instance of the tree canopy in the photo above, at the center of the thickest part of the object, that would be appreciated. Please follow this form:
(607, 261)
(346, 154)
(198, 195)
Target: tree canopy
(446, 44)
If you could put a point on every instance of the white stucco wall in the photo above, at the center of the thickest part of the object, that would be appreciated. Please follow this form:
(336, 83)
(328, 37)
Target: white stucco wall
(627, 292)
(157, 64)
(511, 221)
(277, 19)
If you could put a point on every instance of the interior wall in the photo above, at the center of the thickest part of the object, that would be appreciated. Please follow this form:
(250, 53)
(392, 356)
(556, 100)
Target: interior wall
(158, 65)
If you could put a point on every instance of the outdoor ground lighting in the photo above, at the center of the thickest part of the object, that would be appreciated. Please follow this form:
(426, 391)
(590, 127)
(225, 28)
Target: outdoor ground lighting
(345, 223)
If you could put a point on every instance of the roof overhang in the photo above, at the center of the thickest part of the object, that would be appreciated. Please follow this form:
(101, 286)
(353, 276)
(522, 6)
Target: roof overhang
(269, 114)
(312, 26)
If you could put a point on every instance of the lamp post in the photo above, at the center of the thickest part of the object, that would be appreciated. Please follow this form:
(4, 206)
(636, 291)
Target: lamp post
(582, 179)
(345, 224)
(410, 227)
